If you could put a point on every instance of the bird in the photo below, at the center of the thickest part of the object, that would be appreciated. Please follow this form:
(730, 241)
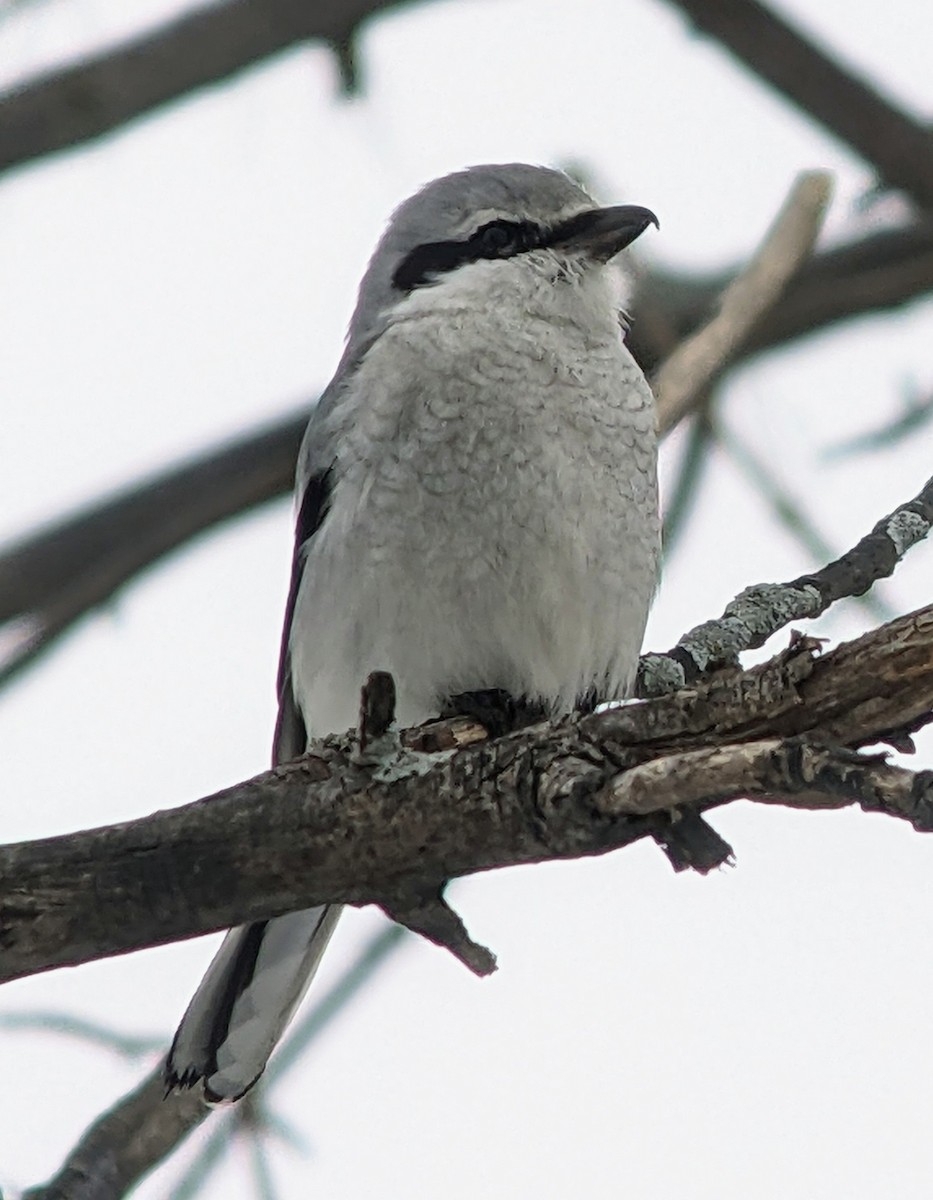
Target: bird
(477, 514)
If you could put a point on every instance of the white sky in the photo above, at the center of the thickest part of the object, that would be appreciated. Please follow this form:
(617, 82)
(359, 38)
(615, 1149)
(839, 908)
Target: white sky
(758, 1033)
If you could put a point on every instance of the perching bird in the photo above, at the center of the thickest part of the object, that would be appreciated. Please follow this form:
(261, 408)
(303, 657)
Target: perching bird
(478, 515)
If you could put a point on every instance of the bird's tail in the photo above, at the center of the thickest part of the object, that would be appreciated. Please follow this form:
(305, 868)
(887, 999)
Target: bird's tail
(245, 1000)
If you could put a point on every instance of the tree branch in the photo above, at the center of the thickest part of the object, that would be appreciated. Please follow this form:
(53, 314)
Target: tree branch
(868, 275)
(758, 612)
(688, 372)
(800, 774)
(326, 829)
(571, 789)
(133, 1136)
(78, 103)
(96, 1170)
(51, 578)
(900, 150)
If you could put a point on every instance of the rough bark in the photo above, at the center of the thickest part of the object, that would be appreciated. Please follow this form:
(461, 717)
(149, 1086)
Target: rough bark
(334, 828)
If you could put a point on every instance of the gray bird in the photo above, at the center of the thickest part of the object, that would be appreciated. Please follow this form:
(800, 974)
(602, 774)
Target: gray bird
(478, 515)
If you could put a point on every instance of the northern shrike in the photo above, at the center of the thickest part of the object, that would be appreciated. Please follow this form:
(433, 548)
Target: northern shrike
(478, 513)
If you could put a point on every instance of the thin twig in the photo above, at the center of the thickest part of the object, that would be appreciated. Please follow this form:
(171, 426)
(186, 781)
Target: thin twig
(125, 1044)
(788, 512)
(760, 611)
(916, 414)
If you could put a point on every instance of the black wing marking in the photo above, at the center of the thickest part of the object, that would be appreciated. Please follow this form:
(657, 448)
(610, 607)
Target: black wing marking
(290, 734)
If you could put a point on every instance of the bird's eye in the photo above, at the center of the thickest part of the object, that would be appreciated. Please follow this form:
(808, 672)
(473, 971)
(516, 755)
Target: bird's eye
(495, 237)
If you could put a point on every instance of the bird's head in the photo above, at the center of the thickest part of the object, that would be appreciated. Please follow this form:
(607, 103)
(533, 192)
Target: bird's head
(505, 214)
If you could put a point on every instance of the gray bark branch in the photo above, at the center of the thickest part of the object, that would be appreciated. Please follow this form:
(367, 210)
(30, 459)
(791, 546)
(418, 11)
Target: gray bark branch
(760, 611)
(794, 773)
(125, 1144)
(329, 829)
(860, 692)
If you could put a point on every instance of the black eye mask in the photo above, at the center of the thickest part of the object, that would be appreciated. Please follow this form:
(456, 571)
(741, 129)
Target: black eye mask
(498, 239)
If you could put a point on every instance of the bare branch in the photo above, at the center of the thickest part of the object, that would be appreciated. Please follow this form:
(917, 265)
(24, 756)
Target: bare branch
(106, 1165)
(760, 611)
(860, 692)
(872, 274)
(576, 788)
(377, 715)
(94, 1032)
(94, 97)
(900, 149)
(124, 1144)
(689, 371)
(691, 470)
(794, 773)
(787, 510)
(915, 415)
(429, 914)
(58, 574)
(325, 829)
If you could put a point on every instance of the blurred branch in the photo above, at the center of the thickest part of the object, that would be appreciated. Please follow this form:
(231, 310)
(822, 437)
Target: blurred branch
(77, 103)
(142, 1128)
(55, 576)
(687, 373)
(689, 476)
(99, 94)
(7, 7)
(377, 951)
(263, 1182)
(127, 1045)
(916, 413)
(864, 277)
(124, 1144)
(70, 568)
(900, 149)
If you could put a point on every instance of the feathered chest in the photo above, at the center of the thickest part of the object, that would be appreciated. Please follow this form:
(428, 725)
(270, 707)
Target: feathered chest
(493, 516)
(487, 436)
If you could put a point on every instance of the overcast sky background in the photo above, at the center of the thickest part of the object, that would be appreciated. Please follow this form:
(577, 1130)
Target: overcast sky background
(762, 1032)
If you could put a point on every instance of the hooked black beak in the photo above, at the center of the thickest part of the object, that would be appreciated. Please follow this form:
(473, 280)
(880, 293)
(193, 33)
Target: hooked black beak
(603, 232)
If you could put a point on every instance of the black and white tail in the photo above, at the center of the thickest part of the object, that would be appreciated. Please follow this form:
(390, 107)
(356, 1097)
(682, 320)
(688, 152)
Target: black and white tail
(261, 971)
(257, 979)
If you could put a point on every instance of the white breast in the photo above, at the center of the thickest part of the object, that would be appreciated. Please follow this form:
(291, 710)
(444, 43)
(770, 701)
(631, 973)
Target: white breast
(494, 520)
